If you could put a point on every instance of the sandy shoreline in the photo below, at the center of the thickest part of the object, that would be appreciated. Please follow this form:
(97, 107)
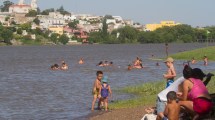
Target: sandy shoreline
(119, 114)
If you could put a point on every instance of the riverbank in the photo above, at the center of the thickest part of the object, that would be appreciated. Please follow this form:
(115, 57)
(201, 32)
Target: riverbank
(133, 109)
(198, 54)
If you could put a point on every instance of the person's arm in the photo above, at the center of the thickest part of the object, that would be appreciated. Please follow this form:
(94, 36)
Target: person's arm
(208, 78)
(94, 86)
(185, 89)
(109, 89)
(166, 110)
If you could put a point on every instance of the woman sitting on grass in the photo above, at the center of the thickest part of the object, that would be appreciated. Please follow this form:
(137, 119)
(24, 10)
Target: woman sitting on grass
(195, 96)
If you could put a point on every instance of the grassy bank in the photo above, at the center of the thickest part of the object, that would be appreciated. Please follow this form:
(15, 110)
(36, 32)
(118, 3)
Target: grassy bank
(198, 54)
(146, 94)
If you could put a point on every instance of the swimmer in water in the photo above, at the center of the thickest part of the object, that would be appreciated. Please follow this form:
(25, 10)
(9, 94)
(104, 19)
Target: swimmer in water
(81, 61)
(64, 66)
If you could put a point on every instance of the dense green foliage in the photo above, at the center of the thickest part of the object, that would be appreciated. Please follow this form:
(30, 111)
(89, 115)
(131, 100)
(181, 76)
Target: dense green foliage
(63, 39)
(31, 13)
(180, 33)
(6, 5)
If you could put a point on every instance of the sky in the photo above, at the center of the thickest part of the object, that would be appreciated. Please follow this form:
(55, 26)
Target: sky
(192, 12)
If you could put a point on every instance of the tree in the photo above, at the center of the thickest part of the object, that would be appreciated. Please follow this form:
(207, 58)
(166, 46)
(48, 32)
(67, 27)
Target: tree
(31, 13)
(73, 24)
(26, 26)
(62, 11)
(47, 11)
(36, 21)
(64, 39)
(7, 36)
(128, 35)
(19, 31)
(6, 5)
(54, 37)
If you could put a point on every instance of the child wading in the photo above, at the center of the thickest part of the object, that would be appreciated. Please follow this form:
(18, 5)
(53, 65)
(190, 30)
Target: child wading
(105, 91)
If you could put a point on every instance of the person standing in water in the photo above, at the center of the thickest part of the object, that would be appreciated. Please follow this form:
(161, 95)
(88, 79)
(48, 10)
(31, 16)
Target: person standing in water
(96, 89)
(170, 74)
(205, 60)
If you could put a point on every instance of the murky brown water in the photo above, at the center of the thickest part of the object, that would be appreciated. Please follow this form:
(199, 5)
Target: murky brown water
(30, 91)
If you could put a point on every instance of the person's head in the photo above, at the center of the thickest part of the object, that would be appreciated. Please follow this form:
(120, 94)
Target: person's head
(111, 63)
(171, 96)
(169, 61)
(99, 75)
(198, 74)
(100, 63)
(56, 66)
(52, 67)
(105, 79)
(187, 72)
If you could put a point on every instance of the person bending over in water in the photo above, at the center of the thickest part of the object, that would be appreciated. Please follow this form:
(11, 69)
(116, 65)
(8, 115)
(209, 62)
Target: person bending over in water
(96, 89)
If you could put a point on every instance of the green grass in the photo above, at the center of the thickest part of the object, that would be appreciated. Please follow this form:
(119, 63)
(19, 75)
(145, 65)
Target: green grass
(146, 94)
(198, 54)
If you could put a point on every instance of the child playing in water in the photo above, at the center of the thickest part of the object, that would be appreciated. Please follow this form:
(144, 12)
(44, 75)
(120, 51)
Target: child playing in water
(172, 109)
(105, 91)
(96, 89)
(170, 71)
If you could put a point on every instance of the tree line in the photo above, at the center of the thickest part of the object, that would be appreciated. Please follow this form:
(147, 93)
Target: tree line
(180, 33)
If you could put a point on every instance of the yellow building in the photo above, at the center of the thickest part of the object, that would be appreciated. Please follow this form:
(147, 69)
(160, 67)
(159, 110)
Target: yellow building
(152, 27)
(58, 30)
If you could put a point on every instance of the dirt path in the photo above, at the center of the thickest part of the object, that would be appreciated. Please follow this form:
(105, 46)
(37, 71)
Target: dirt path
(121, 114)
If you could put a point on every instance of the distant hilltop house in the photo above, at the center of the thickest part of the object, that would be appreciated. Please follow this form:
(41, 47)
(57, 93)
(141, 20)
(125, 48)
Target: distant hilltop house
(152, 27)
(22, 8)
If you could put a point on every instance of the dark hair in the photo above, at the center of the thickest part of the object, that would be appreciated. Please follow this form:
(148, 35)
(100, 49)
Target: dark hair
(56, 65)
(187, 72)
(198, 74)
(171, 95)
(100, 63)
(99, 72)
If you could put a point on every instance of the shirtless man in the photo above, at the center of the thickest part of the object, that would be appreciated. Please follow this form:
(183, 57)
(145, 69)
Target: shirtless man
(96, 89)
(171, 74)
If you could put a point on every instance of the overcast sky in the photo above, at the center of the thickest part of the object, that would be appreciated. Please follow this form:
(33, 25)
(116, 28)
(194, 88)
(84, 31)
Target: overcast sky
(192, 12)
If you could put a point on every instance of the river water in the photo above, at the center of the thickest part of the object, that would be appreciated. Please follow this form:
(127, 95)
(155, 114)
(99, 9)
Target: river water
(29, 90)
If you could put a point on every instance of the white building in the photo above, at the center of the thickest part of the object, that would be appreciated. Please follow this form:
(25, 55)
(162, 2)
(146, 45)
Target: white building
(118, 19)
(45, 23)
(22, 8)
(109, 21)
(69, 17)
(56, 15)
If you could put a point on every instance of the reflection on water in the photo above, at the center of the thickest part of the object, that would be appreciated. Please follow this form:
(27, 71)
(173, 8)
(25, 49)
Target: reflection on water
(29, 90)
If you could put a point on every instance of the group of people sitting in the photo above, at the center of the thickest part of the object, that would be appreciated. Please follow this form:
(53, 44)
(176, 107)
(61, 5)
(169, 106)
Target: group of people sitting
(187, 94)
(63, 66)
